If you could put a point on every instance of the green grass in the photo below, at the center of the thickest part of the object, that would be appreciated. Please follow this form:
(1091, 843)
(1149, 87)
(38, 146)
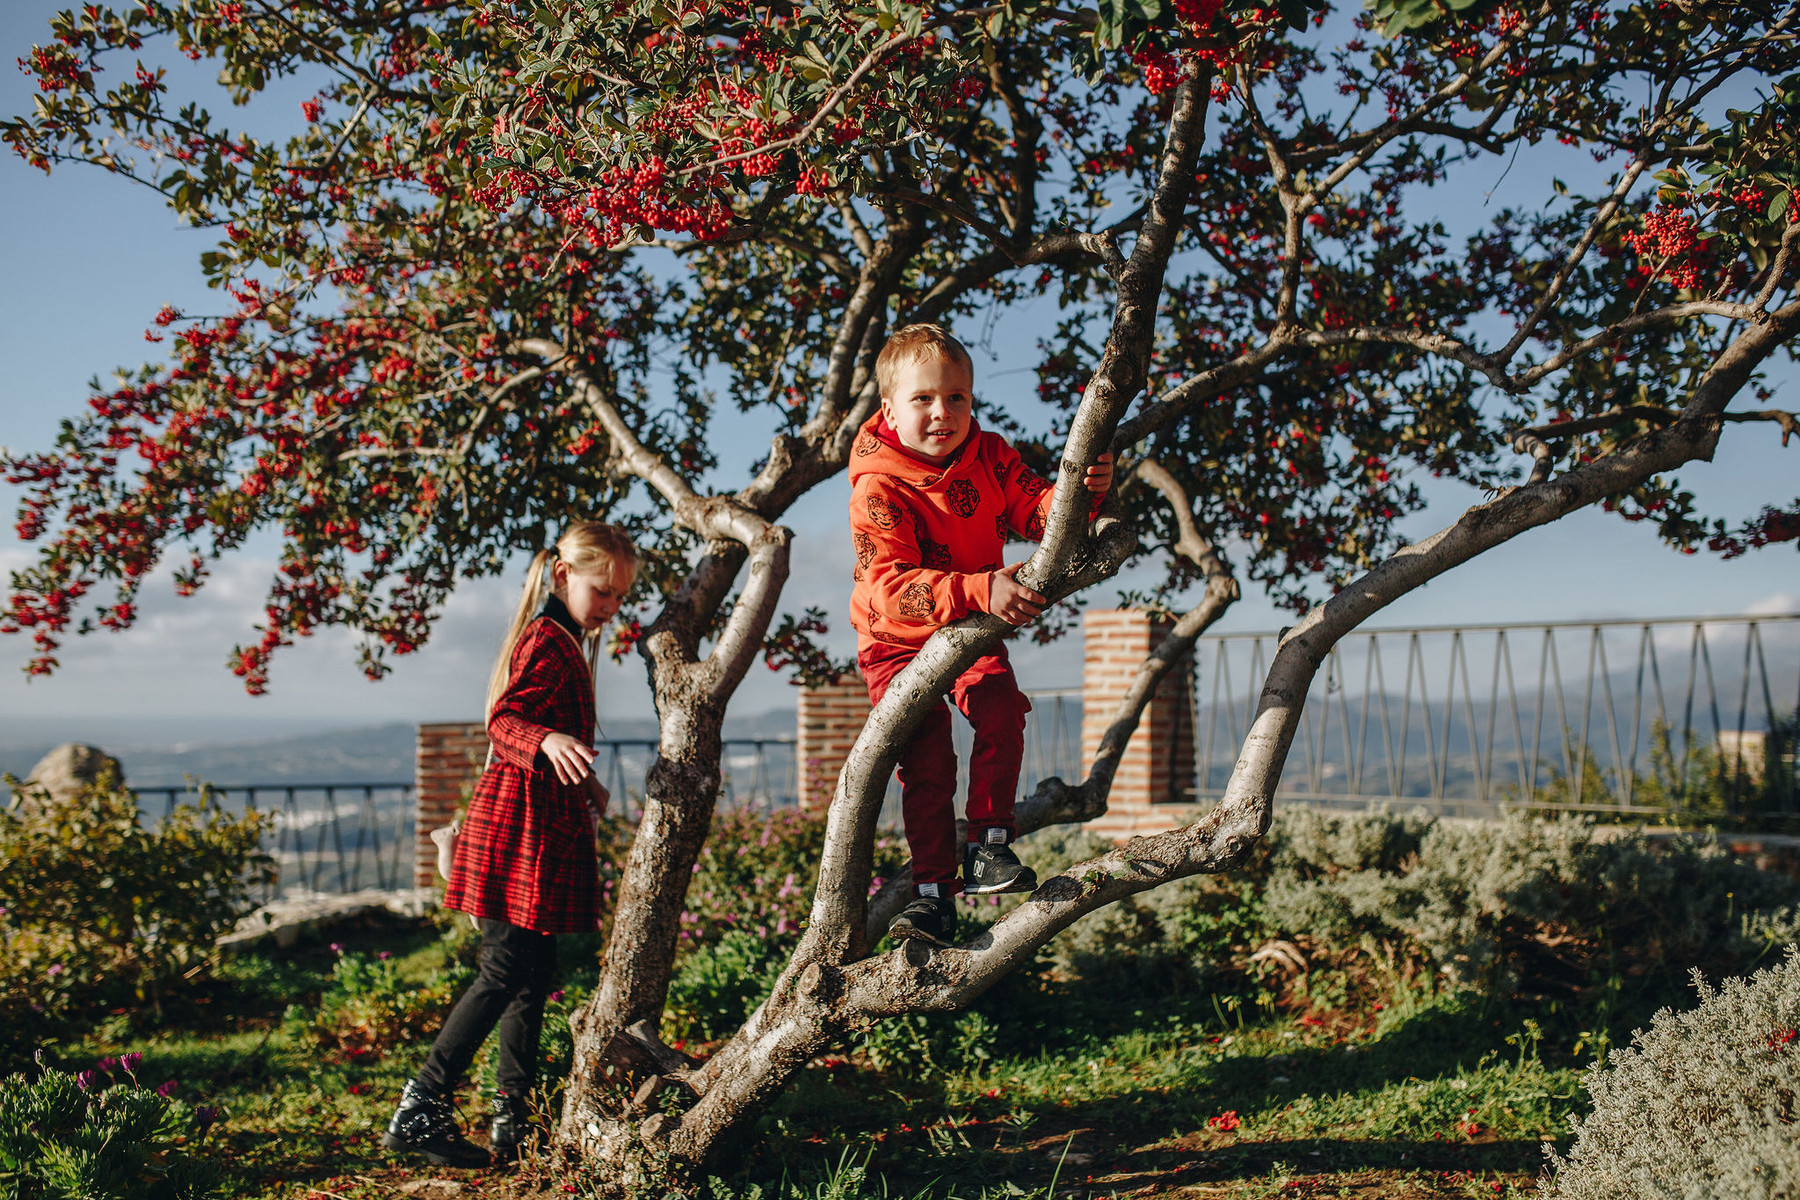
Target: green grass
(1430, 1100)
(1425, 1096)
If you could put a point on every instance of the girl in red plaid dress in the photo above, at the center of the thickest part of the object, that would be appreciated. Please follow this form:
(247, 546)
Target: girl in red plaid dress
(524, 864)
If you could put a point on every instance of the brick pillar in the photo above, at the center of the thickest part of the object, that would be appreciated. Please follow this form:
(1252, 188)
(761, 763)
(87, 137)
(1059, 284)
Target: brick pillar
(1152, 789)
(450, 757)
(829, 721)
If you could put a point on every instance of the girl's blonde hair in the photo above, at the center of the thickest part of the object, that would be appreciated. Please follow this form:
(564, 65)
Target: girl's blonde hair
(587, 546)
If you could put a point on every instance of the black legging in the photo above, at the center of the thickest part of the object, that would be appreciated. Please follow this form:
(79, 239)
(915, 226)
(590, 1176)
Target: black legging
(516, 969)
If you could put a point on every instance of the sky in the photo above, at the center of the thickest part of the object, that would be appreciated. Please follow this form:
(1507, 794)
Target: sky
(89, 259)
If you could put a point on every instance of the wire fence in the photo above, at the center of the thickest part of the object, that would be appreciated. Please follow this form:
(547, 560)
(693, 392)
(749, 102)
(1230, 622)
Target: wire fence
(324, 837)
(1630, 718)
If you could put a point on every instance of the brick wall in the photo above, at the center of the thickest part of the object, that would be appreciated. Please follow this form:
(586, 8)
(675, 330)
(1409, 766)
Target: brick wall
(450, 756)
(830, 719)
(1151, 786)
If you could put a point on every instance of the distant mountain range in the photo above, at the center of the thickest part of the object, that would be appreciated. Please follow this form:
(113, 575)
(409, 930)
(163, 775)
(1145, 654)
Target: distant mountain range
(155, 754)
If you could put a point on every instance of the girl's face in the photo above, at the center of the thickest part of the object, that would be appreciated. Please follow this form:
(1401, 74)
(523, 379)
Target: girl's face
(594, 596)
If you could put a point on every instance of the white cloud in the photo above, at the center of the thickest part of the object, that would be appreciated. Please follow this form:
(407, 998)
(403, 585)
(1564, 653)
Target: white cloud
(1780, 604)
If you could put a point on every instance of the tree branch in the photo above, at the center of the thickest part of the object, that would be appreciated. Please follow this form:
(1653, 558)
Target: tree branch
(709, 516)
(1124, 364)
(1293, 208)
(1602, 420)
(1789, 422)
(826, 108)
(749, 621)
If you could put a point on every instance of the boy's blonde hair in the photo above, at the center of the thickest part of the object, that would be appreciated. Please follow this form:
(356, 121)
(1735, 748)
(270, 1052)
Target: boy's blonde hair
(911, 344)
(587, 546)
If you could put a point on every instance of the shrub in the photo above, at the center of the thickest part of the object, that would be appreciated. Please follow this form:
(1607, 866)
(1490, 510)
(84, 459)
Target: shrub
(367, 1009)
(96, 910)
(1517, 905)
(1704, 1104)
(67, 1137)
(752, 889)
(1521, 903)
(717, 986)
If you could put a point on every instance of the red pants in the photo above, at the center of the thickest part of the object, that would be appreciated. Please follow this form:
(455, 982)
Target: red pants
(987, 694)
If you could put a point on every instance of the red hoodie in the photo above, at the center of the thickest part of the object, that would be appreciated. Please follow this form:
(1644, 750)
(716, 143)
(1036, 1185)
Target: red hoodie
(927, 536)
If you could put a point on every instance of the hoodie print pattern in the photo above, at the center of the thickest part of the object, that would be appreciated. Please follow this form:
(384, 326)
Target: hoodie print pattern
(927, 536)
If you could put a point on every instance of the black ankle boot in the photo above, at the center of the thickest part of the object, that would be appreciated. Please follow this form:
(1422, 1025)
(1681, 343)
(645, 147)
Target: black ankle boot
(425, 1124)
(512, 1126)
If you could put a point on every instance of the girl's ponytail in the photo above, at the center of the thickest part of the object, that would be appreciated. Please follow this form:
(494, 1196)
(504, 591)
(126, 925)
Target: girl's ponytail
(536, 588)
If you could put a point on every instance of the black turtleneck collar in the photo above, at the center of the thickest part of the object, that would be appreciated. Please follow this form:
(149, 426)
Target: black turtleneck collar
(557, 611)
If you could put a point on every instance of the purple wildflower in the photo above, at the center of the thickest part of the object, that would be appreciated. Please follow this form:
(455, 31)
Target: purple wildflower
(206, 1116)
(86, 1080)
(556, 995)
(337, 947)
(167, 1089)
(131, 1061)
(386, 954)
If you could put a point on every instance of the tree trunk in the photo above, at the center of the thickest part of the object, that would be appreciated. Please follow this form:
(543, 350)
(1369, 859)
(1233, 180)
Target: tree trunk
(680, 794)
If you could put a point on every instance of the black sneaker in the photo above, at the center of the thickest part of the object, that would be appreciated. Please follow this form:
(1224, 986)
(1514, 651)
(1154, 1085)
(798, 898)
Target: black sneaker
(512, 1126)
(930, 919)
(425, 1125)
(991, 868)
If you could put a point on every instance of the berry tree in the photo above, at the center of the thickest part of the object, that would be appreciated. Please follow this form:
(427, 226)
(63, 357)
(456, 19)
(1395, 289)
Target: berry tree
(442, 300)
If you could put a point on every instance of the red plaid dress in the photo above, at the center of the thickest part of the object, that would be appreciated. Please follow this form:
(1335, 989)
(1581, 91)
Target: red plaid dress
(526, 851)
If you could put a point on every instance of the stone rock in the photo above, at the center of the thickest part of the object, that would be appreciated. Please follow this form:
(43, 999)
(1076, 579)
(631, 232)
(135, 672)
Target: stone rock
(432, 1189)
(307, 914)
(70, 767)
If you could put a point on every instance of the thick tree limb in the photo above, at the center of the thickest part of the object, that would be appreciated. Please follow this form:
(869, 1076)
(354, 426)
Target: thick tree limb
(741, 639)
(1124, 364)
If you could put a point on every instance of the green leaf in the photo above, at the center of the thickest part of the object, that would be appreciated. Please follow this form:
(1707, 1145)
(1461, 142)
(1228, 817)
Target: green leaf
(1778, 205)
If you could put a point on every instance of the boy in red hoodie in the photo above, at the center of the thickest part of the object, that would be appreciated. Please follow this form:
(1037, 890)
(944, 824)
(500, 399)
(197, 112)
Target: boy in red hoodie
(934, 499)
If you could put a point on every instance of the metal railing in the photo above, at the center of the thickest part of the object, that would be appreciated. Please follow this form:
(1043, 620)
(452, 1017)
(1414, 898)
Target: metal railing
(761, 773)
(1471, 720)
(325, 837)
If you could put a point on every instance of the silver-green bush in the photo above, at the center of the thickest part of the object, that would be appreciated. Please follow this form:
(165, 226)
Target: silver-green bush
(1703, 1105)
(1520, 904)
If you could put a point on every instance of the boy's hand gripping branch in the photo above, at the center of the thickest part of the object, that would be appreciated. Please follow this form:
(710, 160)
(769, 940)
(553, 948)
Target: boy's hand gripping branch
(1011, 600)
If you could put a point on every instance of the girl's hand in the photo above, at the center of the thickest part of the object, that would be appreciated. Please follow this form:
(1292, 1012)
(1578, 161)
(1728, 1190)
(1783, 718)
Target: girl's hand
(567, 757)
(598, 796)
